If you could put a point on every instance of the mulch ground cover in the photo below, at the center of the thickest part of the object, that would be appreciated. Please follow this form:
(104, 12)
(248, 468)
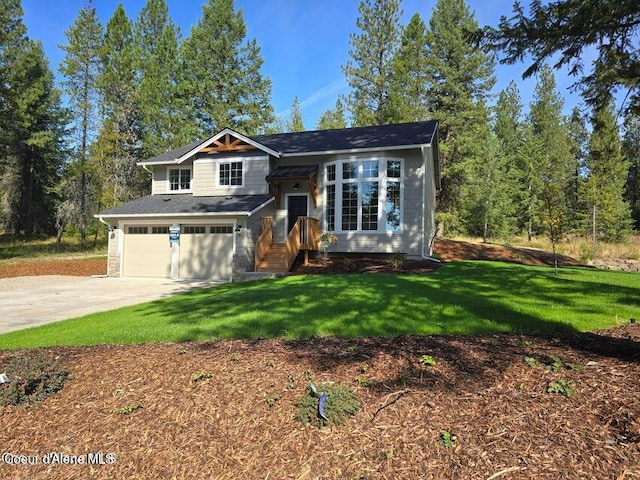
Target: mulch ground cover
(140, 408)
(489, 407)
(79, 267)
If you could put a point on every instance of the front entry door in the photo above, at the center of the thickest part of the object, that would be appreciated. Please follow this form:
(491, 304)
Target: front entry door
(296, 207)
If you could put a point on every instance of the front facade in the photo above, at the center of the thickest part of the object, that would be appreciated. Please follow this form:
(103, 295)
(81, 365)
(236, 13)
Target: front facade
(212, 201)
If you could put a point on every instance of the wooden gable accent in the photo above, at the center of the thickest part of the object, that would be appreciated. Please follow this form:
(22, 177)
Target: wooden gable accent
(228, 143)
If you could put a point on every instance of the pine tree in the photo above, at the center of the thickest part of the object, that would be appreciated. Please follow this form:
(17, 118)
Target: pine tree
(332, 118)
(631, 150)
(117, 147)
(80, 69)
(35, 146)
(579, 138)
(371, 68)
(161, 102)
(222, 73)
(608, 214)
(409, 83)
(295, 123)
(552, 160)
(460, 79)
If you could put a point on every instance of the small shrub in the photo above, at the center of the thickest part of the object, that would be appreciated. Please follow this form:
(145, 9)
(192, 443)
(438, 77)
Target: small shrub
(199, 376)
(32, 379)
(363, 381)
(562, 387)
(341, 403)
(349, 266)
(427, 360)
(448, 440)
(129, 409)
(398, 261)
(272, 399)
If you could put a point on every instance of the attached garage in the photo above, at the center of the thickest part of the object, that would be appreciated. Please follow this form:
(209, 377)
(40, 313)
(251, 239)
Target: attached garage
(205, 252)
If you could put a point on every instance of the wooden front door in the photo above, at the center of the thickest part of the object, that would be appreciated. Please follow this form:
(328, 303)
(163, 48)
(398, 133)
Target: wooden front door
(296, 207)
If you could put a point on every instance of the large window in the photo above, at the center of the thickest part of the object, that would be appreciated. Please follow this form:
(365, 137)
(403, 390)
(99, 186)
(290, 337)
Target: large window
(363, 195)
(179, 179)
(230, 174)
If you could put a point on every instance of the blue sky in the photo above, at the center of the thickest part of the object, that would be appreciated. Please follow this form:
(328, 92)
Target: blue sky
(304, 42)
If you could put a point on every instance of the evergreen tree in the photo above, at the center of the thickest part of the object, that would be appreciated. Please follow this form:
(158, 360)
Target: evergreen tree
(222, 73)
(487, 206)
(460, 79)
(117, 146)
(552, 160)
(80, 69)
(332, 118)
(371, 68)
(35, 144)
(631, 150)
(409, 82)
(579, 137)
(295, 123)
(608, 214)
(161, 103)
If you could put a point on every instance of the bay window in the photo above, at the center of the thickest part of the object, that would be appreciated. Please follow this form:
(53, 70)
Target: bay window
(363, 195)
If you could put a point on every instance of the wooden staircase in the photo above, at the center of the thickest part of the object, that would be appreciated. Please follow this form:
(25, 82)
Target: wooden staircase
(274, 260)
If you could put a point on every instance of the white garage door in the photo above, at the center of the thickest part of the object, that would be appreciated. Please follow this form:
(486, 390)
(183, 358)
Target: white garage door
(206, 251)
(146, 251)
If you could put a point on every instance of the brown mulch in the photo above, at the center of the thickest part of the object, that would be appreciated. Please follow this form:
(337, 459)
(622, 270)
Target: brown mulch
(78, 267)
(505, 423)
(240, 423)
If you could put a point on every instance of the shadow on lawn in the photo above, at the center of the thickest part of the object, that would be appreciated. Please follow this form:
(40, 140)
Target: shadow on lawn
(461, 298)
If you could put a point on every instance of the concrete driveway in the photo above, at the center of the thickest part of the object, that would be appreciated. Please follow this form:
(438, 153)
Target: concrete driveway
(32, 301)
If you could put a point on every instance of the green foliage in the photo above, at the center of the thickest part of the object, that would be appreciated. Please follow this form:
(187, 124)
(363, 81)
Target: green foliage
(363, 381)
(199, 376)
(129, 409)
(342, 403)
(427, 360)
(272, 399)
(332, 118)
(562, 387)
(295, 123)
(398, 261)
(532, 362)
(631, 151)
(370, 69)
(31, 379)
(448, 440)
(607, 215)
(221, 74)
(562, 30)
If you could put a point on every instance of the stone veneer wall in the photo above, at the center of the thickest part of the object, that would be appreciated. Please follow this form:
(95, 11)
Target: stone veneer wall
(113, 256)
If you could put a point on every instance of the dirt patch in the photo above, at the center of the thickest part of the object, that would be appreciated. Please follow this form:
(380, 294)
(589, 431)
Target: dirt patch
(140, 404)
(77, 267)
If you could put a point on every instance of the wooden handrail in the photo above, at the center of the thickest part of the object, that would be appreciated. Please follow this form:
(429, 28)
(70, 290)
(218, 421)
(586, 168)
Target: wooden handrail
(263, 244)
(303, 236)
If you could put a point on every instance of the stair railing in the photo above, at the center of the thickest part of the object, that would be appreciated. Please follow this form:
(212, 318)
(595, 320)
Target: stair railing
(264, 240)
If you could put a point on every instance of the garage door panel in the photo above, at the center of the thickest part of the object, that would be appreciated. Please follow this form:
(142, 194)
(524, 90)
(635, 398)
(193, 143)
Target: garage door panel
(147, 256)
(207, 255)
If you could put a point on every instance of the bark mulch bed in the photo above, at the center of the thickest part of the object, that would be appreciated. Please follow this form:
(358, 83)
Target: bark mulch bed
(78, 267)
(240, 422)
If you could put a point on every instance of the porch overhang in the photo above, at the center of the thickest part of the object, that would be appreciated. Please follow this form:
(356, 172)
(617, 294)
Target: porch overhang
(294, 173)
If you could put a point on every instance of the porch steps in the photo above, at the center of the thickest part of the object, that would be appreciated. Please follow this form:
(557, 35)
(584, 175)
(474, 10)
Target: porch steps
(273, 260)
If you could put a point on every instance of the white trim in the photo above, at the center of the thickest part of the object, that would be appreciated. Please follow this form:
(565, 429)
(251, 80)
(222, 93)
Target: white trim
(381, 179)
(221, 134)
(286, 208)
(168, 186)
(261, 206)
(356, 150)
(229, 161)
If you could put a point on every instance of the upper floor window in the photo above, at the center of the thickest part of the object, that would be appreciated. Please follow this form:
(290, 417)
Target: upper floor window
(230, 174)
(179, 179)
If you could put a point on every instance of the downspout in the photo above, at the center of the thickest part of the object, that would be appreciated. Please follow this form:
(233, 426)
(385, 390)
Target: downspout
(424, 183)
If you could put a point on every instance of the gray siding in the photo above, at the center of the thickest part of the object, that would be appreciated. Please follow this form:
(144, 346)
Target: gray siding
(205, 176)
(159, 180)
(429, 226)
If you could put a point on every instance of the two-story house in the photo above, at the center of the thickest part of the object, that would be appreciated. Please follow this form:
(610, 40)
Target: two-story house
(233, 203)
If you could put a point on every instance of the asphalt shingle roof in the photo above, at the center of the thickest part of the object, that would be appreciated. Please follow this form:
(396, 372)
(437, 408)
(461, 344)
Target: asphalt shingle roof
(345, 139)
(293, 171)
(186, 203)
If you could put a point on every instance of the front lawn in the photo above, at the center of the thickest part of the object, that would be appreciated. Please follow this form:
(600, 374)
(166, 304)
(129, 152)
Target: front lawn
(459, 298)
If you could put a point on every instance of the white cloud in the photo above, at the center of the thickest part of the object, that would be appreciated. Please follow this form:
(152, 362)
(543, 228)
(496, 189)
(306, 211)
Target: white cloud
(320, 94)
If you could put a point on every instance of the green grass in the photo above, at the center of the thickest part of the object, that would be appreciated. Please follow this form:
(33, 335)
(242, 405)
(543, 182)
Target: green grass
(459, 298)
(20, 248)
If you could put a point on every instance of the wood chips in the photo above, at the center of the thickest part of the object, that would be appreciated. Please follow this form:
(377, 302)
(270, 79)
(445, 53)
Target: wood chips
(239, 423)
